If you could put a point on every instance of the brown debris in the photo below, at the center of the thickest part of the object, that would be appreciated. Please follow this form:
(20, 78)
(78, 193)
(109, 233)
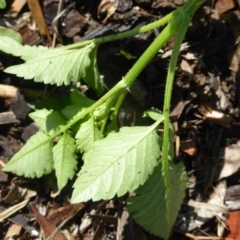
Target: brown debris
(60, 214)
(189, 147)
(74, 23)
(107, 7)
(204, 112)
(40, 20)
(8, 118)
(223, 6)
(47, 226)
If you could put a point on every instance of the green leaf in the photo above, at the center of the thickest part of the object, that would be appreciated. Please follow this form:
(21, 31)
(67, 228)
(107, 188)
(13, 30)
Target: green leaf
(87, 135)
(80, 102)
(72, 111)
(93, 78)
(52, 103)
(117, 164)
(11, 44)
(34, 159)
(78, 98)
(2, 4)
(64, 159)
(158, 195)
(55, 66)
(47, 120)
(156, 206)
(9, 36)
(154, 114)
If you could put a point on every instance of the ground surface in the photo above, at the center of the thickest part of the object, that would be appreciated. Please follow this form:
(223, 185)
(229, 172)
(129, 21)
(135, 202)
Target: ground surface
(205, 114)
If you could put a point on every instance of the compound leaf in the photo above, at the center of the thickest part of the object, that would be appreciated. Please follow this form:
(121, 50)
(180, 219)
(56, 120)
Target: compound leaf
(87, 135)
(117, 164)
(159, 199)
(34, 159)
(156, 207)
(47, 120)
(55, 66)
(64, 156)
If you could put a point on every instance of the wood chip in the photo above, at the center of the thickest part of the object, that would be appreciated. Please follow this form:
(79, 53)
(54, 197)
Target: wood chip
(14, 230)
(7, 91)
(189, 147)
(8, 118)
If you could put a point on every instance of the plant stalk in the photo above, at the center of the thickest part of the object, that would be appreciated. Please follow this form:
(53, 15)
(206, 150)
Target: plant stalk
(161, 22)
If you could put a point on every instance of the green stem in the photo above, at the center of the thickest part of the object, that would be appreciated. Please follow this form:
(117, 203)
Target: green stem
(146, 57)
(110, 102)
(161, 22)
(127, 81)
(118, 104)
(183, 15)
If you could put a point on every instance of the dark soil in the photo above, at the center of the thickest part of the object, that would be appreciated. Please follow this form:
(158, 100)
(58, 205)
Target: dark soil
(204, 112)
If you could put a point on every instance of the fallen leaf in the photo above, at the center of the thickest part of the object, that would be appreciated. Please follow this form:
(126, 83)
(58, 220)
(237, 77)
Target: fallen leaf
(189, 147)
(107, 7)
(233, 225)
(223, 6)
(47, 226)
(10, 211)
(14, 230)
(231, 161)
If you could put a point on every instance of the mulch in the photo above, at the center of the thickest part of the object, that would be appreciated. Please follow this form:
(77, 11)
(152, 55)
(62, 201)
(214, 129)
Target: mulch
(204, 112)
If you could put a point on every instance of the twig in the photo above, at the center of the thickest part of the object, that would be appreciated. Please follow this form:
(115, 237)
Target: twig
(59, 227)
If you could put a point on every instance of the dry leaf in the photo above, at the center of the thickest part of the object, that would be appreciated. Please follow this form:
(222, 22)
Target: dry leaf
(107, 7)
(14, 193)
(189, 56)
(14, 230)
(231, 161)
(233, 225)
(189, 147)
(16, 7)
(219, 118)
(223, 6)
(47, 226)
(57, 216)
(185, 66)
(10, 211)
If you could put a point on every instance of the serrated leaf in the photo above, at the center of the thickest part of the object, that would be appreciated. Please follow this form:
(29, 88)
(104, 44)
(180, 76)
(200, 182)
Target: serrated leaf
(55, 66)
(2, 4)
(11, 44)
(87, 135)
(47, 120)
(167, 182)
(156, 207)
(117, 164)
(64, 157)
(93, 77)
(34, 159)
(8, 35)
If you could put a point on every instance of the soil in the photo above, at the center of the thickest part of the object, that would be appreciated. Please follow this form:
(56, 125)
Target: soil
(204, 112)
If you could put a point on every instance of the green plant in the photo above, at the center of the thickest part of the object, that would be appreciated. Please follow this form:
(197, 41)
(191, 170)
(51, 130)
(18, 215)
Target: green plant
(122, 161)
(2, 4)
